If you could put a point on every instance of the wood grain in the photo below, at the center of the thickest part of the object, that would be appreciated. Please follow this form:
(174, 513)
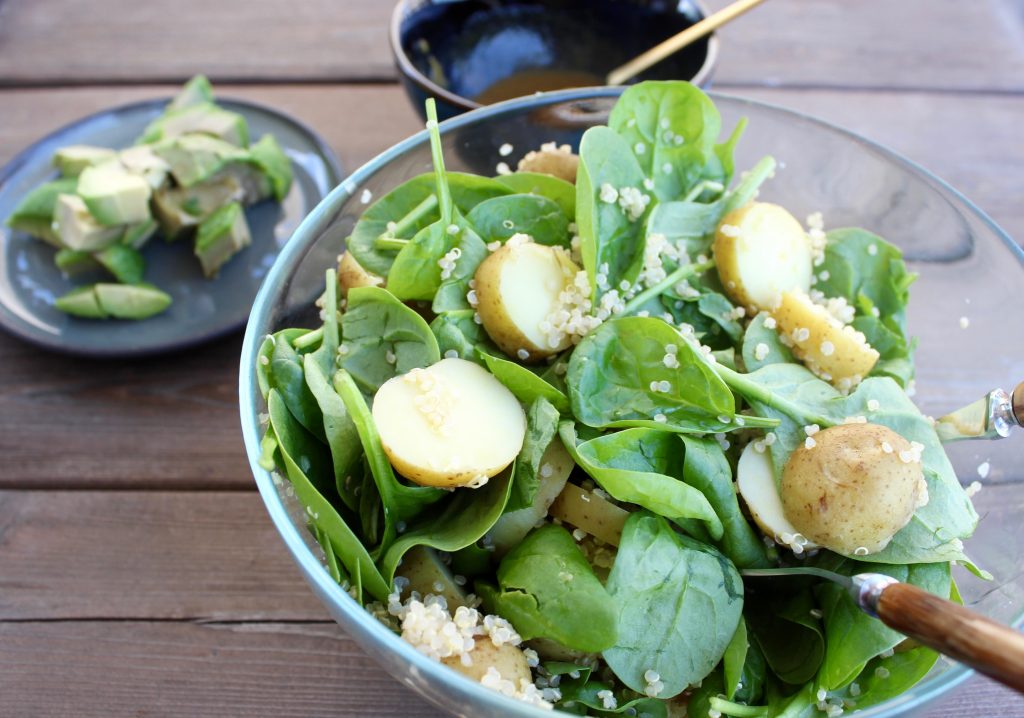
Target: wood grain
(943, 44)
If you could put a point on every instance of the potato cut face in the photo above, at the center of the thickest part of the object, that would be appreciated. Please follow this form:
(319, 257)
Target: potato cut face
(451, 424)
(853, 486)
(836, 352)
(351, 275)
(518, 288)
(508, 660)
(756, 483)
(588, 511)
(762, 251)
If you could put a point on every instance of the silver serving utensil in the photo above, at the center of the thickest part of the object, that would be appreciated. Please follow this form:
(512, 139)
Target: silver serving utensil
(990, 417)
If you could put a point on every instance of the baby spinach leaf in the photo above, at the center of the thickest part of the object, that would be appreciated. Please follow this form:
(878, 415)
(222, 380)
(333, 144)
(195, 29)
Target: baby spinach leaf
(459, 522)
(788, 634)
(607, 235)
(527, 386)
(546, 589)
(541, 427)
(451, 294)
(639, 466)
(400, 502)
(615, 379)
(885, 678)
(339, 430)
(458, 332)
(679, 602)
(774, 351)
(266, 353)
(297, 450)
(499, 218)
(383, 338)
(287, 377)
(734, 659)
(554, 188)
(584, 694)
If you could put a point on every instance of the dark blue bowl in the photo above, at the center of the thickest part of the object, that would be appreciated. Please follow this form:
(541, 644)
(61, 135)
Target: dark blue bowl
(458, 51)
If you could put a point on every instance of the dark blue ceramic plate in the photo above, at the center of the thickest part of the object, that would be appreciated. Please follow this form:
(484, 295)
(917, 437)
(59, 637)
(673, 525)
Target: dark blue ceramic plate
(203, 309)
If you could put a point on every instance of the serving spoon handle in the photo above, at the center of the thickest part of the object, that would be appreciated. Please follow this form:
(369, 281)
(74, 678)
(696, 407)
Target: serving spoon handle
(963, 635)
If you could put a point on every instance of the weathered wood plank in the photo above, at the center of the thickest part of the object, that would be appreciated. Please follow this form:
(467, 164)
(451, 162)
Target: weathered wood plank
(871, 43)
(86, 669)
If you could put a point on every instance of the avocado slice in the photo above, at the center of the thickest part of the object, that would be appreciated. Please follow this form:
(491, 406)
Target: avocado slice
(195, 92)
(123, 262)
(143, 161)
(81, 302)
(73, 159)
(131, 301)
(75, 261)
(34, 214)
(194, 158)
(222, 235)
(78, 229)
(268, 156)
(137, 235)
(114, 195)
(180, 209)
(205, 118)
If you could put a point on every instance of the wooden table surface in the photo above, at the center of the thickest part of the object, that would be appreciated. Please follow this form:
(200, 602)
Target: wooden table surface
(139, 572)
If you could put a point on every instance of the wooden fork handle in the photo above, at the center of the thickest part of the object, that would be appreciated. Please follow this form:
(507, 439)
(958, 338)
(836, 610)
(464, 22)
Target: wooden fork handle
(988, 647)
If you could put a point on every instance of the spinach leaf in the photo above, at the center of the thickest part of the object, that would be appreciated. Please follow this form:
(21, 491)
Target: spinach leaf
(527, 386)
(885, 678)
(541, 427)
(297, 449)
(383, 338)
(706, 469)
(584, 694)
(679, 603)
(400, 502)
(459, 332)
(710, 314)
(266, 353)
(617, 373)
(287, 377)
(734, 659)
(554, 188)
(459, 522)
(451, 293)
(788, 634)
(608, 235)
(546, 589)
(412, 206)
(638, 466)
(773, 352)
(499, 218)
(671, 127)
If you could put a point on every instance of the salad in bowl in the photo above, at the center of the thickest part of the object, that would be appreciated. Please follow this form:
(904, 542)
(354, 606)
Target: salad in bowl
(549, 415)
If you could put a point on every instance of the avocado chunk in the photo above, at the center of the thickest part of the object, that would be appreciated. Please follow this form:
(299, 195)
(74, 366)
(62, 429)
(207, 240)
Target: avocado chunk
(75, 261)
(81, 302)
(222, 235)
(143, 161)
(34, 214)
(180, 209)
(73, 159)
(195, 92)
(137, 235)
(205, 118)
(268, 156)
(78, 229)
(131, 301)
(194, 158)
(123, 262)
(114, 195)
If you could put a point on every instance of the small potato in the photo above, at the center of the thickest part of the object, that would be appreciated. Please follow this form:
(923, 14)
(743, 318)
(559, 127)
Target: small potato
(551, 650)
(451, 424)
(756, 483)
(518, 289)
(428, 574)
(588, 511)
(351, 274)
(853, 486)
(551, 159)
(836, 352)
(507, 660)
(761, 251)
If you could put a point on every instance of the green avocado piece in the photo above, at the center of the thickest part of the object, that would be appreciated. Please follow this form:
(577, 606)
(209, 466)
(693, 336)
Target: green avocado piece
(114, 195)
(195, 92)
(222, 235)
(78, 229)
(123, 262)
(73, 159)
(205, 118)
(34, 214)
(81, 302)
(180, 209)
(143, 161)
(131, 301)
(75, 261)
(195, 158)
(137, 235)
(268, 156)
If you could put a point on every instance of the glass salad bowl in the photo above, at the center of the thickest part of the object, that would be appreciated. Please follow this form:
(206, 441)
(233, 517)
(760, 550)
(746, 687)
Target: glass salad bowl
(970, 274)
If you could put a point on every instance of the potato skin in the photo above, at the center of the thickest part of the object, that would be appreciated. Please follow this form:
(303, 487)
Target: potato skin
(508, 660)
(847, 493)
(351, 275)
(588, 511)
(558, 161)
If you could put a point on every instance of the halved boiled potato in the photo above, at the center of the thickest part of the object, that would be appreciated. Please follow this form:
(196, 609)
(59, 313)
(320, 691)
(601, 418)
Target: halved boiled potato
(853, 486)
(427, 574)
(762, 251)
(588, 511)
(351, 274)
(756, 483)
(552, 159)
(555, 466)
(451, 424)
(509, 661)
(834, 351)
(518, 288)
